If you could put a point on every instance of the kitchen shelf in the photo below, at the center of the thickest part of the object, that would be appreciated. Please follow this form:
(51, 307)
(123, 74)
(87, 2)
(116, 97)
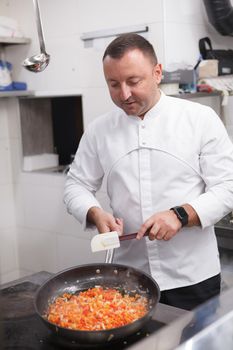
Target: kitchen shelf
(198, 94)
(42, 94)
(6, 41)
(16, 93)
(31, 93)
(58, 93)
(12, 41)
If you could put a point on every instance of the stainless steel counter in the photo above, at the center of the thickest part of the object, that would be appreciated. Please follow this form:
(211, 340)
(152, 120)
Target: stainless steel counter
(209, 326)
(224, 232)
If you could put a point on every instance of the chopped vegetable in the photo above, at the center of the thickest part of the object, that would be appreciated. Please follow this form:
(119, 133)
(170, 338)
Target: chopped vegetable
(96, 309)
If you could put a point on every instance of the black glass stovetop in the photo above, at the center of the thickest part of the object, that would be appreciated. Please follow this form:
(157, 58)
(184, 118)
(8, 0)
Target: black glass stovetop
(21, 327)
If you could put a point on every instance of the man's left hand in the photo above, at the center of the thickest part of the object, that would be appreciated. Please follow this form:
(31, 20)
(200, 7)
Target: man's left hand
(163, 225)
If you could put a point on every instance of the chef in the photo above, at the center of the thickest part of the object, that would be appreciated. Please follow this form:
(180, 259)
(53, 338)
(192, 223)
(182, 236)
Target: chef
(168, 168)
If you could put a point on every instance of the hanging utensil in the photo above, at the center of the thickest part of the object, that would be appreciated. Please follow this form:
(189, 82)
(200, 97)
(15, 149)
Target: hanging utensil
(38, 63)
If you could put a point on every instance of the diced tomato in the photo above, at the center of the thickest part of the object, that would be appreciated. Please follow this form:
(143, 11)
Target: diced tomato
(96, 309)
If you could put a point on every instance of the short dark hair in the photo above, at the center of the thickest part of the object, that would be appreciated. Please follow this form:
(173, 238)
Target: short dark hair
(126, 42)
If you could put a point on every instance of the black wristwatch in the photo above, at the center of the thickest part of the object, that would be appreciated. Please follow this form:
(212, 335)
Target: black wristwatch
(181, 214)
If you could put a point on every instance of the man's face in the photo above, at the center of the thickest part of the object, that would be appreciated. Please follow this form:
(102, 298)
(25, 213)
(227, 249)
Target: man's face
(133, 82)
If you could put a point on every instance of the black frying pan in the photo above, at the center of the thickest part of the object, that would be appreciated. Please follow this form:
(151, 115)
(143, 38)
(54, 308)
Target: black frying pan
(88, 276)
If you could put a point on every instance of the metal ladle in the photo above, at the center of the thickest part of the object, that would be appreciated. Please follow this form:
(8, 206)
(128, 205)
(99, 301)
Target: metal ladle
(38, 63)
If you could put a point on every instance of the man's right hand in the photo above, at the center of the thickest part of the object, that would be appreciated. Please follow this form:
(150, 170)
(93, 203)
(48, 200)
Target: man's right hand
(104, 221)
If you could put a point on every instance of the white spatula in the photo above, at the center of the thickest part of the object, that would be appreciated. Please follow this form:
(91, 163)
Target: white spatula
(109, 240)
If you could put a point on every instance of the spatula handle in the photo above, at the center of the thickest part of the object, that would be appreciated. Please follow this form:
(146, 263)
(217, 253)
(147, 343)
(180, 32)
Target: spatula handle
(127, 237)
(131, 236)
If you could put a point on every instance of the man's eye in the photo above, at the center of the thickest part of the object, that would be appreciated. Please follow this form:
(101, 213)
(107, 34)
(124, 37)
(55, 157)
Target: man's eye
(114, 85)
(134, 82)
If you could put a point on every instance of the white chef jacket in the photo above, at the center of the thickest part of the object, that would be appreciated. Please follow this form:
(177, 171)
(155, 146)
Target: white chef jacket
(179, 153)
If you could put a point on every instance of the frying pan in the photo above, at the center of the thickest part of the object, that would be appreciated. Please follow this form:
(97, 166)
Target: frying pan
(82, 277)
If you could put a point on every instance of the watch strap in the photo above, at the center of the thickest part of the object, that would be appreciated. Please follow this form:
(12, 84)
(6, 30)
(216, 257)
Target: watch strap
(181, 214)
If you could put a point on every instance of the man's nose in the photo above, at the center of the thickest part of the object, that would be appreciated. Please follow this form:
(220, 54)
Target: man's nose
(125, 92)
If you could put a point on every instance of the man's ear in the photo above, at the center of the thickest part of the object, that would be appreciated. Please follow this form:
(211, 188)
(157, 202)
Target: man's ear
(158, 73)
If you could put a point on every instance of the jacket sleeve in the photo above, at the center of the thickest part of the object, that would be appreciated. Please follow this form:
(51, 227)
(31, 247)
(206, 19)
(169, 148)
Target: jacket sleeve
(83, 180)
(216, 164)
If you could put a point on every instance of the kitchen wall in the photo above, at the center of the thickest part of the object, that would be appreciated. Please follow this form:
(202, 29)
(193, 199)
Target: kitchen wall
(8, 232)
(36, 232)
(185, 22)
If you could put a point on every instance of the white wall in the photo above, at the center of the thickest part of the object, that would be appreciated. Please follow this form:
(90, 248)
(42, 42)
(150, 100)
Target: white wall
(185, 22)
(36, 233)
(8, 234)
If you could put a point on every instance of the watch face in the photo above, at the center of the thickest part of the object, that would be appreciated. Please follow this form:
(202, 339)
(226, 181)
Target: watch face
(181, 214)
(181, 211)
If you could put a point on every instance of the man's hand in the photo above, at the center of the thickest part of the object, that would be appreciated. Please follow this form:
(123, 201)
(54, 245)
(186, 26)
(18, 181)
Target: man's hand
(165, 224)
(104, 222)
(162, 225)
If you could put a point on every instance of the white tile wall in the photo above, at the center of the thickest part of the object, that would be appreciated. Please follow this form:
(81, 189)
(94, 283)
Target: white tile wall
(19, 205)
(8, 233)
(183, 11)
(8, 253)
(5, 173)
(16, 157)
(89, 67)
(11, 276)
(7, 209)
(13, 118)
(177, 45)
(44, 210)
(8, 249)
(37, 250)
(73, 251)
(3, 121)
(96, 15)
(95, 101)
